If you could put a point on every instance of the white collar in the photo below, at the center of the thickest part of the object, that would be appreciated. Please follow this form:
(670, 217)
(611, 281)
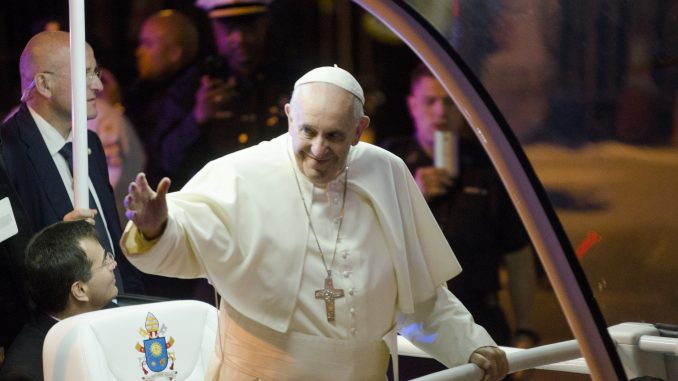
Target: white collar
(50, 135)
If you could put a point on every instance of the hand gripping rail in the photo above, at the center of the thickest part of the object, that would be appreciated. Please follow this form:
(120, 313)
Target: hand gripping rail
(555, 356)
(640, 346)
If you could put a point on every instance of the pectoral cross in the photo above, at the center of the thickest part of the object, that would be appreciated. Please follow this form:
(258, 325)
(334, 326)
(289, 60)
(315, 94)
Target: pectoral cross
(328, 294)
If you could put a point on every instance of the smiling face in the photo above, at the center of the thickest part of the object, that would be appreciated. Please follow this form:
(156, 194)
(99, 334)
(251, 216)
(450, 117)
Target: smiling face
(46, 78)
(323, 125)
(58, 72)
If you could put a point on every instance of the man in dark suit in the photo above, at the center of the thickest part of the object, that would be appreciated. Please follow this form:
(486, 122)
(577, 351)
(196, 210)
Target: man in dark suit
(37, 147)
(68, 273)
(15, 231)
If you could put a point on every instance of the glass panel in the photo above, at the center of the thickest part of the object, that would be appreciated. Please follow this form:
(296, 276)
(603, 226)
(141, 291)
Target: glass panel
(384, 64)
(589, 89)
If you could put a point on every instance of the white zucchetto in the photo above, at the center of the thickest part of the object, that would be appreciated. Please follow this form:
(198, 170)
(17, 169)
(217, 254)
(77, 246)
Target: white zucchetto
(336, 76)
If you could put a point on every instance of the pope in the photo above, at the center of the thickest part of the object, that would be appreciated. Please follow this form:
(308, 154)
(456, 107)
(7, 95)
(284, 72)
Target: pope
(321, 247)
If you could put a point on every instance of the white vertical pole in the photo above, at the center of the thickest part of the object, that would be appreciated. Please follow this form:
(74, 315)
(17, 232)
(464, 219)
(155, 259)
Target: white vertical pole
(79, 103)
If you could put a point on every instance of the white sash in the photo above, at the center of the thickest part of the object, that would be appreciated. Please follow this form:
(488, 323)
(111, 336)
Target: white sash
(247, 351)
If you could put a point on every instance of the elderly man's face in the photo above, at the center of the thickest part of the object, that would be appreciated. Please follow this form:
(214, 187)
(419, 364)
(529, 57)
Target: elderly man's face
(323, 127)
(241, 41)
(57, 72)
(431, 109)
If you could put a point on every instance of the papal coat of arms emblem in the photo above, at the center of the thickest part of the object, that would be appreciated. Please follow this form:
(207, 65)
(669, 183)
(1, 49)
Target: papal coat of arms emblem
(158, 355)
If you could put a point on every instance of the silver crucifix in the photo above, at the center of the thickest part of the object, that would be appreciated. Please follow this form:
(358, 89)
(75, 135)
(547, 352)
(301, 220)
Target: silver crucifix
(328, 294)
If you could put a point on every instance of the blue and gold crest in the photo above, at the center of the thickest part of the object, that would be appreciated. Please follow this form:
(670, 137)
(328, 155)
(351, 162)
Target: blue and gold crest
(157, 351)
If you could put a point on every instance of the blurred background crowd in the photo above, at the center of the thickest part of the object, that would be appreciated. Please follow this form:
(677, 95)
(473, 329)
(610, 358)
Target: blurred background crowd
(612, 61)
(185, 82)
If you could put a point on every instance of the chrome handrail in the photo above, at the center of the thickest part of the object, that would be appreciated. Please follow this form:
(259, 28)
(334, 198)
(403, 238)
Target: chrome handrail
(556, 356)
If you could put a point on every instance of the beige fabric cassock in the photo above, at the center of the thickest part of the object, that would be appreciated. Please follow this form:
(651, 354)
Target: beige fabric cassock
(240, 222)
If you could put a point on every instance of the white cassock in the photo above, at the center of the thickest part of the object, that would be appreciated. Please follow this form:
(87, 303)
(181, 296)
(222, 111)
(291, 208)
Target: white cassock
(240, 222)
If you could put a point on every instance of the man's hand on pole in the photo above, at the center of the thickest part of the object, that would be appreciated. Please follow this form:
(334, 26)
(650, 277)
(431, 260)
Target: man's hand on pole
(81, 214)
(146, 208)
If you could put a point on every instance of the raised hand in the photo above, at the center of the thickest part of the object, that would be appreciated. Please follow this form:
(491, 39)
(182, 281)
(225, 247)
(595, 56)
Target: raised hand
(147, 208)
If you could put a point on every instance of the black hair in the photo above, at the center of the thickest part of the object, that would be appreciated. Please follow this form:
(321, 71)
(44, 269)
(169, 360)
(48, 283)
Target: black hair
(420, 71)
(55, 260)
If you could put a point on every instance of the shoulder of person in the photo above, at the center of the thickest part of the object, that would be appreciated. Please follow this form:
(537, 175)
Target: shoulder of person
(12, 139)
(94, 142)
(10, 126)
(372, 155)
(24, 354)
(187, 79)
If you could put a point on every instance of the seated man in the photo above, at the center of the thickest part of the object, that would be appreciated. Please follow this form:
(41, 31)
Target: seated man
(67, 273)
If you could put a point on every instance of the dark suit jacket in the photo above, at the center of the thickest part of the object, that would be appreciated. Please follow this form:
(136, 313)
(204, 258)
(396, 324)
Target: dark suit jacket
(36, 179)
(14, 306)
(24, 358)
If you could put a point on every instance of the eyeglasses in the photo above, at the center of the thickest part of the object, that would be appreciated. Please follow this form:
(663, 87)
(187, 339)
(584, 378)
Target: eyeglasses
(96, 72)
(109, 259)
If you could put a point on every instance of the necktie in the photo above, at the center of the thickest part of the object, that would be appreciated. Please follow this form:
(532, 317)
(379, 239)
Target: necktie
(67, 152)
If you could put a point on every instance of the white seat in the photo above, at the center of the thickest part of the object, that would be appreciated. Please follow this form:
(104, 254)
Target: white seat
(146, 341)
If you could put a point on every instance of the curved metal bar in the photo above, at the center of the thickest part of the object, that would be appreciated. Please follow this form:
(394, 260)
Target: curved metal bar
(519, 359)
(466, 372)
(659, 344)
(540, 356)
(596, 346)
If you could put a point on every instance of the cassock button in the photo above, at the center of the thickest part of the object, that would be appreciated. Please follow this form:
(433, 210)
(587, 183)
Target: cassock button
(352, 310)
(346, 274)
(351, 291)
(354, 330)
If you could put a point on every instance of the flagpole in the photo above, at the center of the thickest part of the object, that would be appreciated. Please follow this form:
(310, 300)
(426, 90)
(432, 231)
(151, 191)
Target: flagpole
(79, 103)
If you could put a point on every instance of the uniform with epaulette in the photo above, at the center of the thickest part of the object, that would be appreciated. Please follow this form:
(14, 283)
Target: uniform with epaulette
(254, 110)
